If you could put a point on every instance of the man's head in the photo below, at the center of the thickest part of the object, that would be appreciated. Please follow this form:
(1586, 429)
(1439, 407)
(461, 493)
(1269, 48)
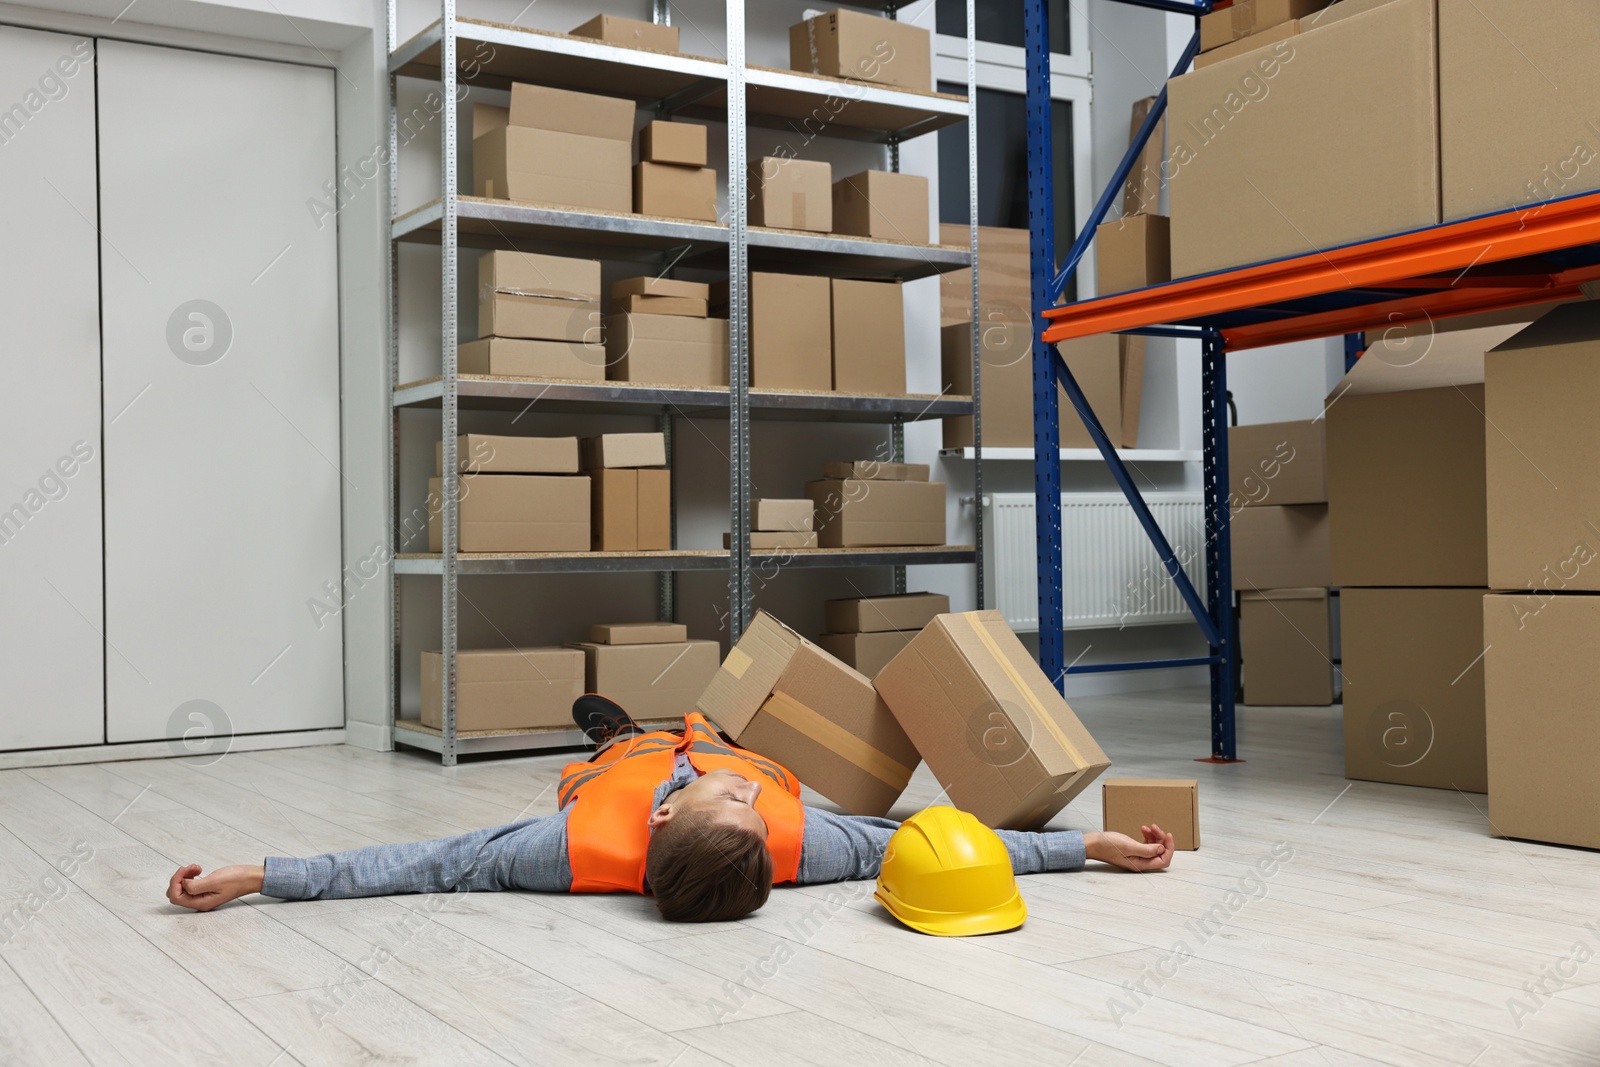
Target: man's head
(708, 858)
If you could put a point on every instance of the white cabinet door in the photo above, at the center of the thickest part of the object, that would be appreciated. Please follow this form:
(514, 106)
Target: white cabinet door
(220, 301)
(51, 615)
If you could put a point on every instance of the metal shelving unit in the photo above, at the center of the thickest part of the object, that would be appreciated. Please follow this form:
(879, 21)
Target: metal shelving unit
(457, 52)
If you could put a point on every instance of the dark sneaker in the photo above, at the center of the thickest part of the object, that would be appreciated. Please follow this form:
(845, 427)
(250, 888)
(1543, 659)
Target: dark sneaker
(602, 720)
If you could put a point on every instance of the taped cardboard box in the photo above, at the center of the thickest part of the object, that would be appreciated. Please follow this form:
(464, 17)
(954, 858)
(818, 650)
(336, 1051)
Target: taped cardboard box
(862, 47)
(1252, 180)
(591, 115)
(551, 298)
(1541, 391)
(769, 513)
(869, 337)
(994, 731)
(1406, 469)
(660, 305)
(1171, 803)
(667, 349)
(1278, 463)
(679, 143)
(1414, 707)
(1286, 640)
(637, 633)
(1541, 692)
(625, 450)
(631, 510)
(1281, 547)
(775, 540)
(784, 697)
(792, 194)
(854, 513)
(513, 357)
(531, 274)
(515, 513)
(791, 339)
(550, 167)
(630, 33)
(479, 453)
(875, 470)
(902, 611)
(658, 680)
(505, 688)
(868, 653)
(1132, 252)
(1005, 283)
(885, 205)
(672, 192)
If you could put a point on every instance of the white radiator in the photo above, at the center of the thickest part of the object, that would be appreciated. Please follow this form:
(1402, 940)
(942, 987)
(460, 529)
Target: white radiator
(1110, 573)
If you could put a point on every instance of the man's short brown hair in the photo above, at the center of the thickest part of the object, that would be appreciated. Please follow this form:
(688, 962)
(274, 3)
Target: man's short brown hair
(702, 871)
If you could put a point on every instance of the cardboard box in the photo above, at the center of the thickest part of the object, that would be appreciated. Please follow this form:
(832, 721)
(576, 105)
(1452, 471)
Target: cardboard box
(1132, 252)
(1249, 17)
(630, 33)
(792, 194)
(667, 349)
(655, 510)
(863, 47)
(631, 510)
(494, 454)
(1286, 639)
(1540, 395)
(775, 540)
(1132, 351)
(660, 305)
(1171, 803)
(871, 614)
(1255, 42)
(1142, 193)
(1281, 547)
(868, 653)
(680, 143)
(1096, 365)
(1277, 463)
(782, 696)
(672, 192)
(625, 450)
(658, 680)
(540, 107)
(508, 357)
(1541, 689)
(540, 297)
(1406, 474)
(1254, 180)
(769, 513)
(550, 167)
(637, 633)
(855, 513)
(882, 204)
(1517, 86)
(530, 274)
(1005, 280)
(869, 337)
(1414, 686)
(791, 338)
(994, 731)
(647, 285)
(874, 470)
(516, 513)
(505, 688)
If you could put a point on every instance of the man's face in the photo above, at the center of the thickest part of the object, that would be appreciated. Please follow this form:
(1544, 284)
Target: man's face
(729, 796)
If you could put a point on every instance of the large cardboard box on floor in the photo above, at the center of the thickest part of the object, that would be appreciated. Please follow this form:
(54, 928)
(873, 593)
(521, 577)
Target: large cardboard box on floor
(858, 513)
(867, 653)
(515, 513)
(1320, 140)
(1542, 708)
(667, 349)
(1173, 804)
(883, 204)
(869, 337)
(1277, 463)
(1541, 393)
(505, 688)
(1406, 441)
(1413, 695)
(654, 680)
(782, 696)
(516, 357)
(1286, 642)
(1281, 547)
(792, 194)
(791, 337)
(994, 731)
(863, 47)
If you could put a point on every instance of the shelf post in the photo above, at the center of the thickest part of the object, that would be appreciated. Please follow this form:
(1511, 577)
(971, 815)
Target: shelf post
(1219, 544)
(449, 398)
(738, 331)
(667, 581)
(897, 454)
(392, 376)
(977, 308)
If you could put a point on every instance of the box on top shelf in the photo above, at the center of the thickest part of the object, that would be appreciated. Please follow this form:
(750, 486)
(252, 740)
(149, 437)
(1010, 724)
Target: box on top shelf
(855, 513)
(863, 47)
(625, 450)
(631, 33)
(548, 298)
(876, 470)
(637, 633)
(883, 204)
(667, 350)
(1286, 643)
(680, 143)
(1132, 252)
(505, 688)
(658, 680)
(991, 726)
(1278, 463)
(869, 614)
(515, 513)
(540, 107)
(669, 191)
(784, 697)
(1281, 547)
(769, 513)
(499, 454)
(792, 194)
(790, 334)
(1173, 804)
(869, 337)
(517, 357)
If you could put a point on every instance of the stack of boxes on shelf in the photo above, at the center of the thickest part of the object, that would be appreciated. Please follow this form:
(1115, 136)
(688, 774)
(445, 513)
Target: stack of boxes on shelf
(776, 525)
(517, 494)
(1250, 25)
(671, 178)
(631, 509)
(868, 632)
(871, 504)
(538, 317)
(660, 332)
(505, 688)
(815, 334)
(1278, 485)
(557, 147)
(652, 669)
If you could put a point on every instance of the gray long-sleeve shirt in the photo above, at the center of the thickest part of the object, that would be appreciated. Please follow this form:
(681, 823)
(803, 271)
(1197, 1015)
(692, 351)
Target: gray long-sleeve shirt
(532, 854)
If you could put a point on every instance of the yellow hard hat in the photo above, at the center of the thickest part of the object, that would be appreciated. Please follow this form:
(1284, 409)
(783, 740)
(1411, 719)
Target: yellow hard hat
(946, 873)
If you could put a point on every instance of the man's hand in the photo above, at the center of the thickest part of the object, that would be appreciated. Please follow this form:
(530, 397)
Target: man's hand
(1120, 850)
(188, 889)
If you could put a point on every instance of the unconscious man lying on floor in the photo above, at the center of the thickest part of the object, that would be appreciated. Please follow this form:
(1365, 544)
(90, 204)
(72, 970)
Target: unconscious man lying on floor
(706, 827)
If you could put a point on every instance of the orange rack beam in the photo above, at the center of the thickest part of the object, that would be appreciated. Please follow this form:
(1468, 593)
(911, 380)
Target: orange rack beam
(1453, 261)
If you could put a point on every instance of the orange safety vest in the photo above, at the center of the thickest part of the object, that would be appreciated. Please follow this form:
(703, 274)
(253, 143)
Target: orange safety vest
(607, 835)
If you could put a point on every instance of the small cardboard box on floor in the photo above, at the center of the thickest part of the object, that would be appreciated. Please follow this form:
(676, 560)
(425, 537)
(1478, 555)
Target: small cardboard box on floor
(784, 697)
(1171, 803)
(994, 731)
(1286, 643)
(505, 688)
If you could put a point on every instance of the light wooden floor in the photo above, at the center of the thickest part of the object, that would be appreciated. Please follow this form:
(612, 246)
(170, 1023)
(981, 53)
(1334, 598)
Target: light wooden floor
(1398, 931)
